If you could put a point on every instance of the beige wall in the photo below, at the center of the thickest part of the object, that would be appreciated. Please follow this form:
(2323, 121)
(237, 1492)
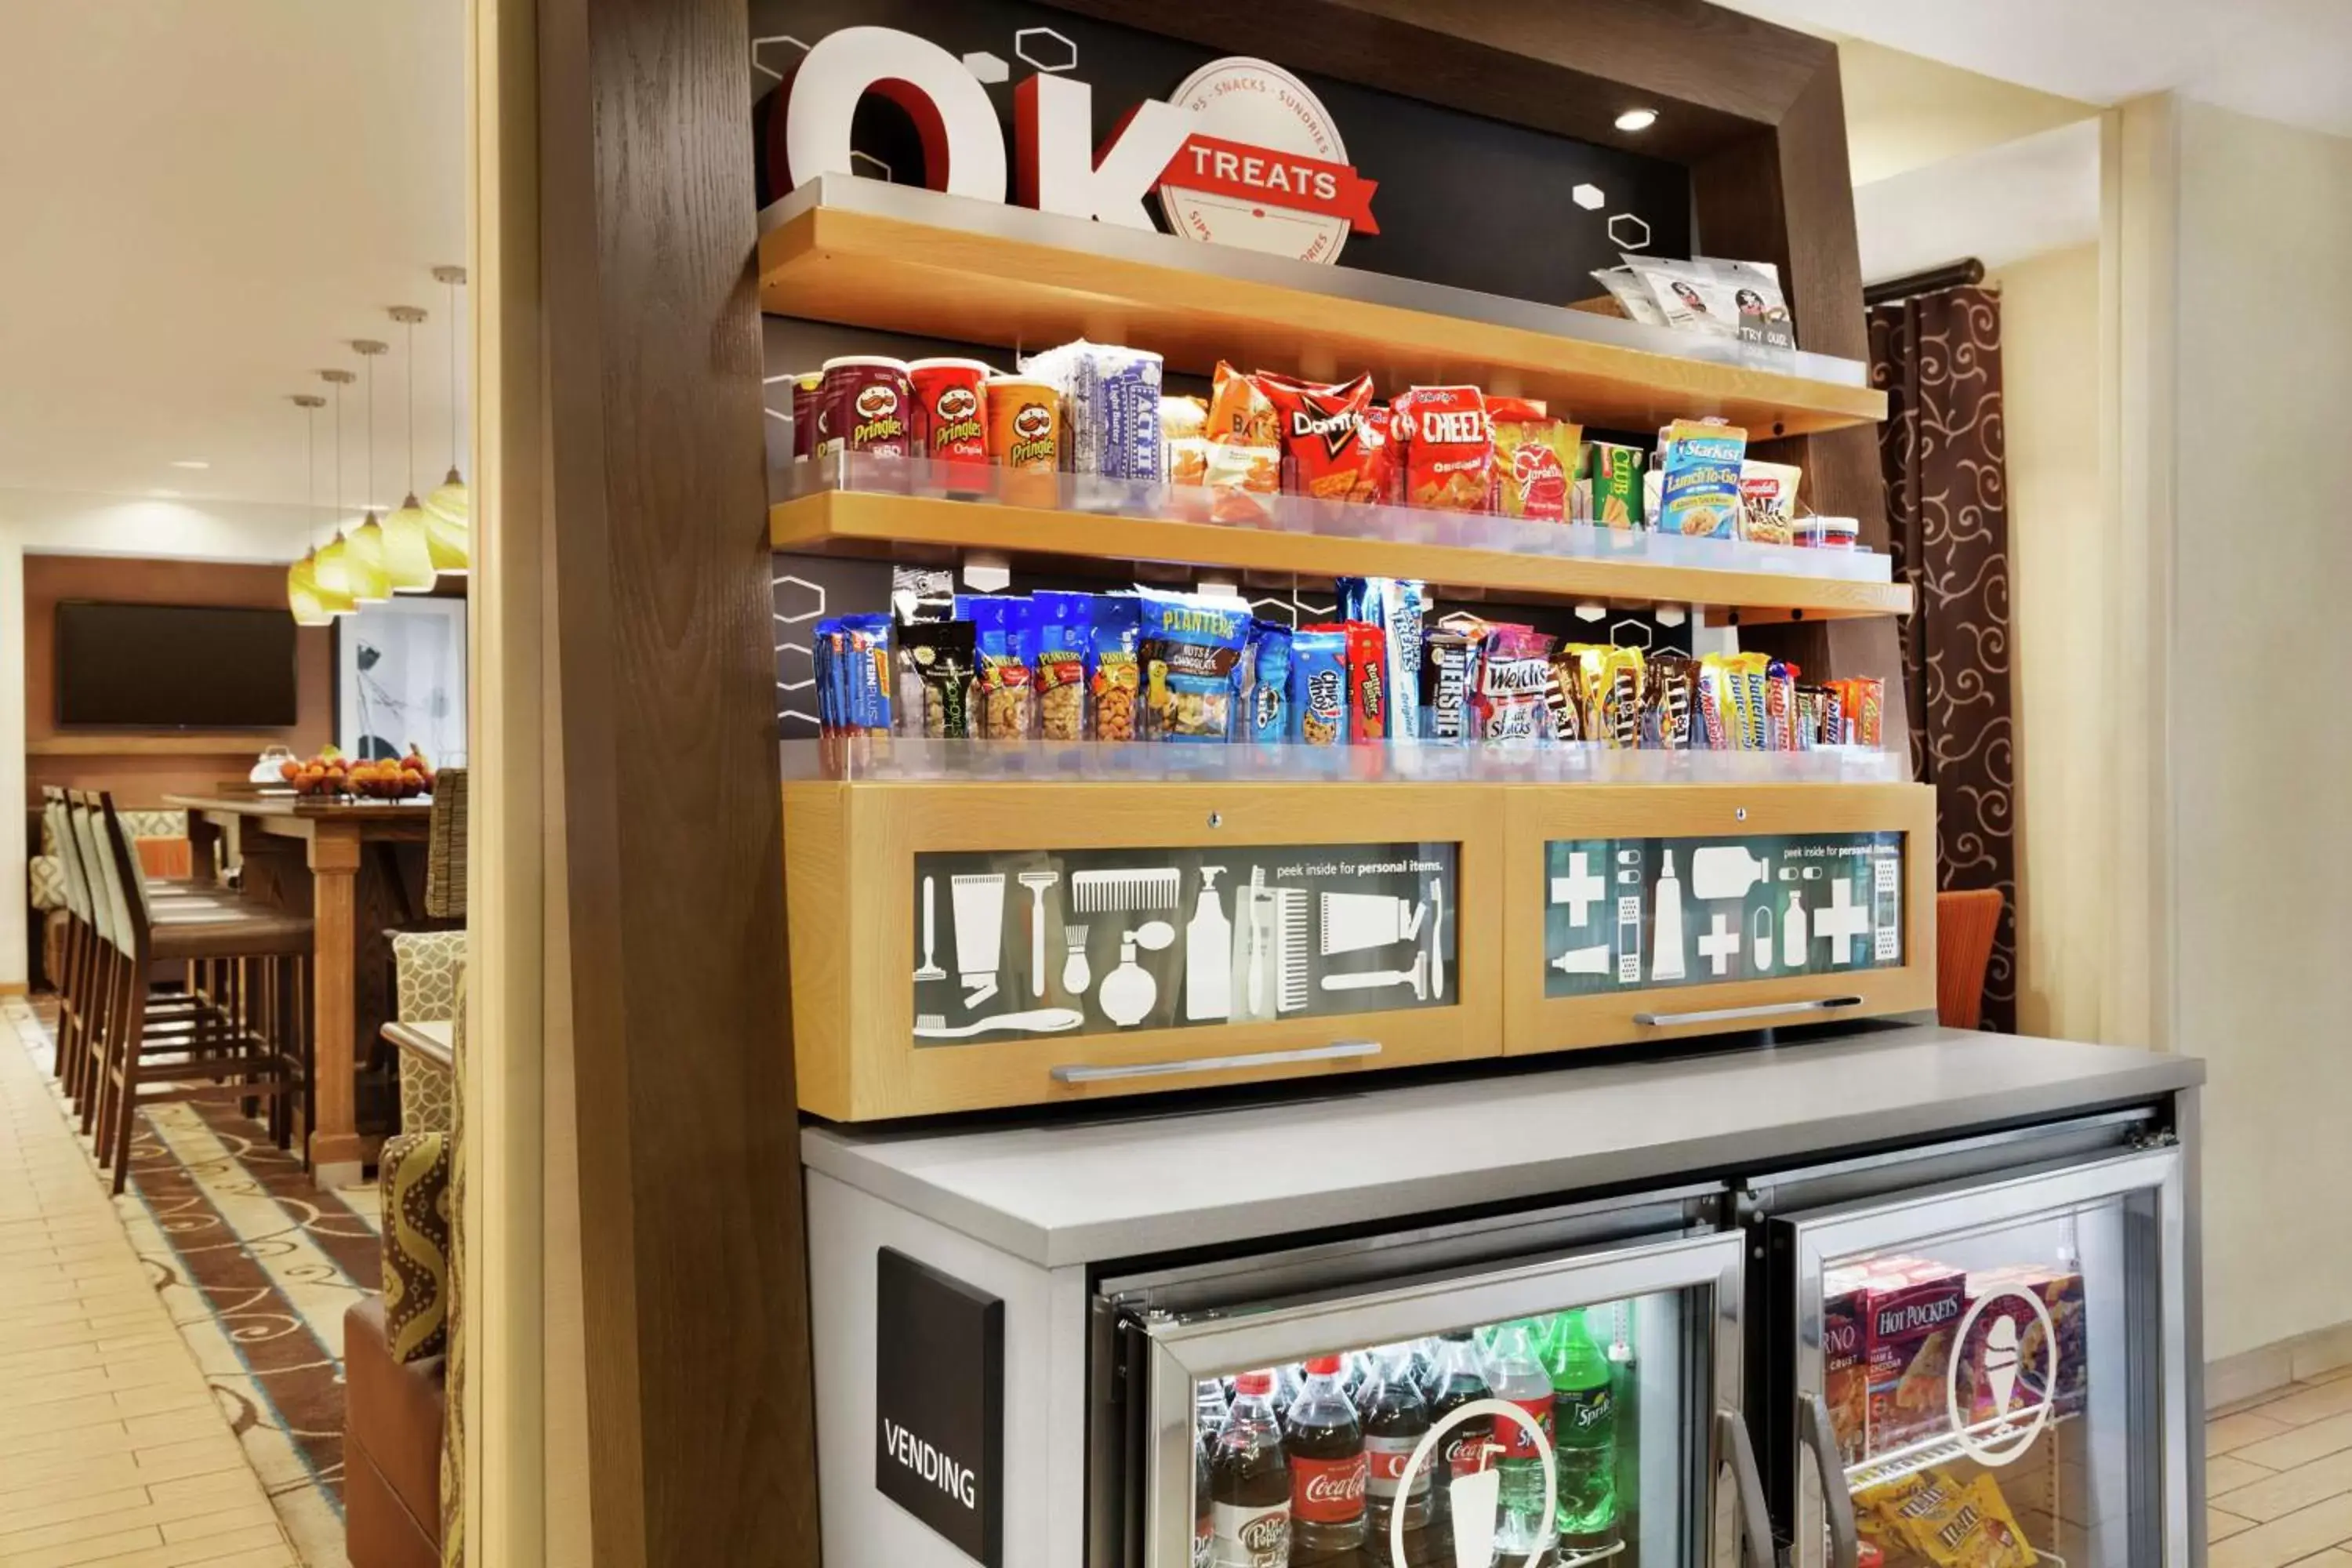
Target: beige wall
(2058, 577)
(2261, 736)
(1904, 111)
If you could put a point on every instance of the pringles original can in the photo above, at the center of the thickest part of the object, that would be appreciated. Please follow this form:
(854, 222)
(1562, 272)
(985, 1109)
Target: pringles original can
(866, 405)
(1024, 423)
(951, 417)
(804, 389)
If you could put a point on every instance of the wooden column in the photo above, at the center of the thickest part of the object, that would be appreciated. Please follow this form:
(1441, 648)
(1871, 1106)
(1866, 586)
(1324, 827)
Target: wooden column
(336, 1151)
(693, 1265)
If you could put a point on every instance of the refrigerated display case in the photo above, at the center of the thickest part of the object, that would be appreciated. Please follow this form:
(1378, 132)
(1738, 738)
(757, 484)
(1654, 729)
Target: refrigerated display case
(1651, 1249)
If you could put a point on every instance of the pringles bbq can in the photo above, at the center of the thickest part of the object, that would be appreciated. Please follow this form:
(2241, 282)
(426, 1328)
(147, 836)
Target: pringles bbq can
(1024, 423)
(867, 404)
(951, 417)
(804, 389)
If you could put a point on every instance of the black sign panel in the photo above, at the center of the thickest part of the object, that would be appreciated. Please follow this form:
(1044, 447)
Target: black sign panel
(1463, 200)
(939, 1402)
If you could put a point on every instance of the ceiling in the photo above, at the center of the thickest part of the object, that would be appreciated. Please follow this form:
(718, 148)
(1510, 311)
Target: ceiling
(206, 200)
(2288, 60)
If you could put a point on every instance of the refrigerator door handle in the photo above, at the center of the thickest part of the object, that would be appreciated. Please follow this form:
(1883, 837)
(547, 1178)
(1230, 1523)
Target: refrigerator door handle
(1821, 1437)
(1754, 1522)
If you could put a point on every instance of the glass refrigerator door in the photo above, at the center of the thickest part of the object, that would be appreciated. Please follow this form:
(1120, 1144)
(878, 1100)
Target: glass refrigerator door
(1577, 1410)
(1995, 1376)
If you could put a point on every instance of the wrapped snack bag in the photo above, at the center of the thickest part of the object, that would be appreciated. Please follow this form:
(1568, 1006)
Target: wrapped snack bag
(1612, 485)
(1780, 706)
(939, 657)
(1237, 476)
(1621, 699)
(1063, 627)
(1701, 462)
(1396, 605)
(1190, 653)
(1449, 671)
(1514, 667)
(1388, 468)
(1113, 678)
(1449, 453)
(1110, 398)
(1184, 425)
(1318, 687)
(1669, 697)
(1239, 412)
(1564, 694)
(1188, 461)
(1759, 308)
(1767, 501)
(1633, 295)
(852, 655)
(1328, 447)
(1367, 703)
(1006, 639)
(1269, 693)
(1718, 718)
(1534, 459)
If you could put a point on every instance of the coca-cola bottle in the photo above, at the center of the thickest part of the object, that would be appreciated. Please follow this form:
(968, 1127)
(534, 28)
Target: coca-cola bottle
(1287, 1381)
(1396, 1418)
(1467, 1450)
(1249, 1482)
(1329, 1469)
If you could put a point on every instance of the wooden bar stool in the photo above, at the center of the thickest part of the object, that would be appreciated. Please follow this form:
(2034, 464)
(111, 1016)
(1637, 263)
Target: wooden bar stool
(258, 1045)
(78, 955)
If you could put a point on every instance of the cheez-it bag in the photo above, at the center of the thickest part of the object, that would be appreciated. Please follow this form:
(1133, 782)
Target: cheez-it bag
(1449, 452)
(1329, 446)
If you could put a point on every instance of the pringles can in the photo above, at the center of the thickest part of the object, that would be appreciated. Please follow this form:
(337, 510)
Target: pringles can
(950, 421)
(805, 383)
(865, 403)
(1024, 423)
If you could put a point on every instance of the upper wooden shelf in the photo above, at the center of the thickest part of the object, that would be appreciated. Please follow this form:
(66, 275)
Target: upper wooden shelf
(867, 254)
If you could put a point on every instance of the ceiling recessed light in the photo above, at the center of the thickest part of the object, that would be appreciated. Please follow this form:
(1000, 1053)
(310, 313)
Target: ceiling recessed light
(1637, 119)
(190, 463)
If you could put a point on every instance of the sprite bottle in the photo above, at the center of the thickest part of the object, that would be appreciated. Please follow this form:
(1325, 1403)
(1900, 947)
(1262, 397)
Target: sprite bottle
(1584, 1427)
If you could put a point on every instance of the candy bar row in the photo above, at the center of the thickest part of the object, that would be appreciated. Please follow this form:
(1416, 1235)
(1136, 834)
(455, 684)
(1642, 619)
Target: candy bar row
(1099, 409)
(1157, 666)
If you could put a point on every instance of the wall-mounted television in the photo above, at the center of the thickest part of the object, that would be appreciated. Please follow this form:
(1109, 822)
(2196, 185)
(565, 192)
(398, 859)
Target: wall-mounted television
(173, 667)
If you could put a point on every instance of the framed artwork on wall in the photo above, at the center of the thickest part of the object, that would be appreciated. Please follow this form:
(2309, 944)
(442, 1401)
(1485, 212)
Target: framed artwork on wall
(400, 679)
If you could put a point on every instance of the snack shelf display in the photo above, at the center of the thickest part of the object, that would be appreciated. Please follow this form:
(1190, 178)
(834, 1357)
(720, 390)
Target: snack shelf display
(869, 253)
(854, 503)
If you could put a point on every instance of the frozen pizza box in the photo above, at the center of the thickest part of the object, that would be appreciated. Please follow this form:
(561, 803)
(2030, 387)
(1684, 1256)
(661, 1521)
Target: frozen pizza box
(1845, 1384)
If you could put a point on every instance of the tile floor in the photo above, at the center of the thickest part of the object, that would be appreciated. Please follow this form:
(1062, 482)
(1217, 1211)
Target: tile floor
(2278, 1476)
(113, 1451)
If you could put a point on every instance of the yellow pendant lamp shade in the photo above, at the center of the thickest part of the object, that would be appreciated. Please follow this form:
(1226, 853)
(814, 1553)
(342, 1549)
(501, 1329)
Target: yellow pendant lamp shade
(364, 558)
(407, 555)
(302, 595)
(330, 569)
(448, 526)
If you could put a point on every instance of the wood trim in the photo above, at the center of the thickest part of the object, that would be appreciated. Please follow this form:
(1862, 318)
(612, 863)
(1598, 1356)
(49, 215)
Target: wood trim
(693, 1262)
(917, 527)
(151, 745)
(13, 987)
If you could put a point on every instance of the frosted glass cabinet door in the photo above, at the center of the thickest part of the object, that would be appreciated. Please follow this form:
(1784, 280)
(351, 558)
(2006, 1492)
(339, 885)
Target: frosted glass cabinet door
(1995, 1375)
(1582, 1409)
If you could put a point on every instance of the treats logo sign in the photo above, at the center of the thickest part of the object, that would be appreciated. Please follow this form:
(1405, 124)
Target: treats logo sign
(1245, 155)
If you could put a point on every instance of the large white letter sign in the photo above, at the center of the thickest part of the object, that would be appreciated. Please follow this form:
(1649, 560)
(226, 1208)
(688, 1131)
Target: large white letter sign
(1057, 172)
(964, 148)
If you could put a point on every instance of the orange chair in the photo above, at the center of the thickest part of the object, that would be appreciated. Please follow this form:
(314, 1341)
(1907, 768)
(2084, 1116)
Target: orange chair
(1966, 924)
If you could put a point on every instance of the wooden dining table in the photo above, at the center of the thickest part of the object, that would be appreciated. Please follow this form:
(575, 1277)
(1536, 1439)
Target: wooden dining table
(356, 868)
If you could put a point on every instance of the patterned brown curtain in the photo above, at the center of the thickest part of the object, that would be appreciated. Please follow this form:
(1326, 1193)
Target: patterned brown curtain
(1937, 357)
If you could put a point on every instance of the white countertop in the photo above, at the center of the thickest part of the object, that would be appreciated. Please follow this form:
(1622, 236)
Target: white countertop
(1126, 1181)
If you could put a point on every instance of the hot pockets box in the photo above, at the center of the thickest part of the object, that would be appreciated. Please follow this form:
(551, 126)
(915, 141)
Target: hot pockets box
(1912, 1307)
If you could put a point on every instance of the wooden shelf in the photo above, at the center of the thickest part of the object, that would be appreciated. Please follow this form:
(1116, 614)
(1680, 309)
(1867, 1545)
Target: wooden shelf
(926, 529)
(1017, 282)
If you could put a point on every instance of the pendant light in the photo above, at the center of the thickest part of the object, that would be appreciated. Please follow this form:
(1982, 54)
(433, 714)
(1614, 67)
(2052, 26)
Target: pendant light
(449, 509)
(311, 605)
(363, 551)
(407, 557)
(331, 567)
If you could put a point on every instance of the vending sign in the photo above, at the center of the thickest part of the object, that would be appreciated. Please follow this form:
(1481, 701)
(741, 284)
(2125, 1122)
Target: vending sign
(1245, 155)
(939, 1402)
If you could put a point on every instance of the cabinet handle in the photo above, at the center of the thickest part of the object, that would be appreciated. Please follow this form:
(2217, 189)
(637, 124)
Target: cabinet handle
(1337, 1051)
(1821, 1437)
(1731, 1015)
(1754, 1522)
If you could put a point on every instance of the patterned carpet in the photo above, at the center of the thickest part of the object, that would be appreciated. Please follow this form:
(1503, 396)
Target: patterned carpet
(257, 1269)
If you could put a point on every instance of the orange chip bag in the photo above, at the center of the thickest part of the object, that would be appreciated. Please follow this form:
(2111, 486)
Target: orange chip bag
(1236, 476)
(1449, 453)
(1329, 446)
(1239, 412)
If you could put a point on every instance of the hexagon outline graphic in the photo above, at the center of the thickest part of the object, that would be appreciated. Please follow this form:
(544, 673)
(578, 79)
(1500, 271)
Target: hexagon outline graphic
(987, 68)
(1589, 197)
(806, 655)
(761, 66)
(1649, 633)
(1620, 241)
(856, 156)
(815, 588)
(1021, 49)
